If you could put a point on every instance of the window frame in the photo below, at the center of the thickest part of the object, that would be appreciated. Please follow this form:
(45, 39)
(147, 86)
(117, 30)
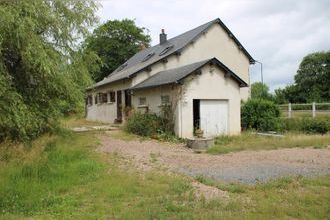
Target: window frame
(162, 100)
(145, 101)
(89, 100)
(103, 97)
(112, 97)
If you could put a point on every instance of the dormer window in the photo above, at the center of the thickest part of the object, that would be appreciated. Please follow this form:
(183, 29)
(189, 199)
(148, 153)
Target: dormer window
(148, 57)
(166, 50)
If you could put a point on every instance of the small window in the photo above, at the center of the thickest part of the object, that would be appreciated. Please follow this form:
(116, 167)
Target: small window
(96, 99)
(148, 57)
(89, 100)
(103, 97)
(121, 67)
(112, 95)
(166, 50)
(142, 101)
(165, 99)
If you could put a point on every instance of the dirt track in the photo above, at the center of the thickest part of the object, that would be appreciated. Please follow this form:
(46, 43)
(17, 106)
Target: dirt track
(244, 167)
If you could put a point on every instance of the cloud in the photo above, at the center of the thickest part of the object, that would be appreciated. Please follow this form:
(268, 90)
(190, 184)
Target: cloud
(279, 33)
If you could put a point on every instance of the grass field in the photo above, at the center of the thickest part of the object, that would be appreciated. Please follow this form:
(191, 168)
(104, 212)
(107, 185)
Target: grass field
(251, 141)
(63, 177)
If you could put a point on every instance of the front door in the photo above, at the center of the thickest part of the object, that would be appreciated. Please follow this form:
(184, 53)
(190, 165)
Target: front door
(214, 117)
(119, 107)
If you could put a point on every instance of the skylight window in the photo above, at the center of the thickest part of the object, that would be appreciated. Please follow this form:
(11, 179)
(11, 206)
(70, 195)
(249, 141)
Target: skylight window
(166, 50)
(148, 56)
(121, 67)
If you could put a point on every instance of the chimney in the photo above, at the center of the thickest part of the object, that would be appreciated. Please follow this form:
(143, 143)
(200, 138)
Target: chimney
(162, 37)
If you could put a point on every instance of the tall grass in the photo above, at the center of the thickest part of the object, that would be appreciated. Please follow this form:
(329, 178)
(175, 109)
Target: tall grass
(63, 177)
(251, 141)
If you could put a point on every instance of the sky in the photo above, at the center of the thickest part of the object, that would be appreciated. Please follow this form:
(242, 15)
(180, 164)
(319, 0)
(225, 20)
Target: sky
(278, 33)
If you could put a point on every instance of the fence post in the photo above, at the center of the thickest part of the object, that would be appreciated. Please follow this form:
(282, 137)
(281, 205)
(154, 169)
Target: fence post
(314, 109)
(289, 112)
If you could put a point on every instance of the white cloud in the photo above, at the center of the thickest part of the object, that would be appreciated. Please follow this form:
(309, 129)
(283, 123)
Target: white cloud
(279, 33)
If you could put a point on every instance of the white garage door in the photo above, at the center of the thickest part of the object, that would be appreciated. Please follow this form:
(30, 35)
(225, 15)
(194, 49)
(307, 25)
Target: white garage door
(214, 117)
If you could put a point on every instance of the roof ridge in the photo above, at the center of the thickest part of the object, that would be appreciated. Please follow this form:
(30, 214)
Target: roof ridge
(136, 64)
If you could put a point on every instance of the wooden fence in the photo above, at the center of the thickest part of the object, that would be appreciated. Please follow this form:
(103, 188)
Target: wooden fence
(307, 109)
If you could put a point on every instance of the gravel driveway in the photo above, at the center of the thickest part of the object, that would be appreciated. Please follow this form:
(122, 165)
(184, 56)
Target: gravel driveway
(245, 167)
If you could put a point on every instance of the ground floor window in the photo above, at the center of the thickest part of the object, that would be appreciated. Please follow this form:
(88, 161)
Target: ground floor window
(142, 101)
(96, 99)
(103, 97)
(112, 95)
(89, 100)
(165, 99)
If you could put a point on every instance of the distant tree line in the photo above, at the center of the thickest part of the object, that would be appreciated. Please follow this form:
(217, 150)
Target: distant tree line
(312, 83)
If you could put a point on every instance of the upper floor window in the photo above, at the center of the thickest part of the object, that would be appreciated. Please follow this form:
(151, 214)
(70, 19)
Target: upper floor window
(148, 56)
(121, 67)
(166, 50)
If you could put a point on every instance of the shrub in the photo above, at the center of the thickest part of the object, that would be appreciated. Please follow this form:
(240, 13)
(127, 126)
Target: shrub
(261, 115)
(143, 124)
(307, 125)
(152, 125)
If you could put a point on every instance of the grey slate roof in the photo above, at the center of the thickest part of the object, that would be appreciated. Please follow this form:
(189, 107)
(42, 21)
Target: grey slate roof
(175, 75)
(136, 64)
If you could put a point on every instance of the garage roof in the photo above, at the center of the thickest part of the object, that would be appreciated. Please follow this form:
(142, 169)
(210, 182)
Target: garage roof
(175, 75)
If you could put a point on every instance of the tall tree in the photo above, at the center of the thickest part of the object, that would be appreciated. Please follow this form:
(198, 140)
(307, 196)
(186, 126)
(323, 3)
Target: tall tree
(42, 71)
(313, 77)
(311, 81)
(115, 42)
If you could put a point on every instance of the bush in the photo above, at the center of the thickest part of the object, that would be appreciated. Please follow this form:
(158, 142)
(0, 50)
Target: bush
(152, 125)
(307, 125)
(143, 124)
(261, 115)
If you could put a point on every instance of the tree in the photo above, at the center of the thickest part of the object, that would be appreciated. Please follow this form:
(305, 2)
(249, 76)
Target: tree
(115, 42)
(260, 91)
(43, 72)
(311, 81)
(313, 77)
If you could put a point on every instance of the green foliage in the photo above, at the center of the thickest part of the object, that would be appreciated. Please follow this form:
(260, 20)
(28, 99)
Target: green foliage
(143, 124)
(152, 125)
(65, 178)
(307, 125)
(260, 91)
(260, 114)
(115, 42)
(43, 73)
(311, 81)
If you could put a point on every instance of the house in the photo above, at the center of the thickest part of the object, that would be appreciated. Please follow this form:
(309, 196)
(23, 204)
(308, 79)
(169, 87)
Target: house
(203, 73)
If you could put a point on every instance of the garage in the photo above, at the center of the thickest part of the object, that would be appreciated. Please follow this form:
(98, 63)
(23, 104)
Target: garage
(211, 116)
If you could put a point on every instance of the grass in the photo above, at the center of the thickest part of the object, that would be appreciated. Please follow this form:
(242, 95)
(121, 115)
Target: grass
(285, 198)
(251, 141)
(78, 121)
(63, 177)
